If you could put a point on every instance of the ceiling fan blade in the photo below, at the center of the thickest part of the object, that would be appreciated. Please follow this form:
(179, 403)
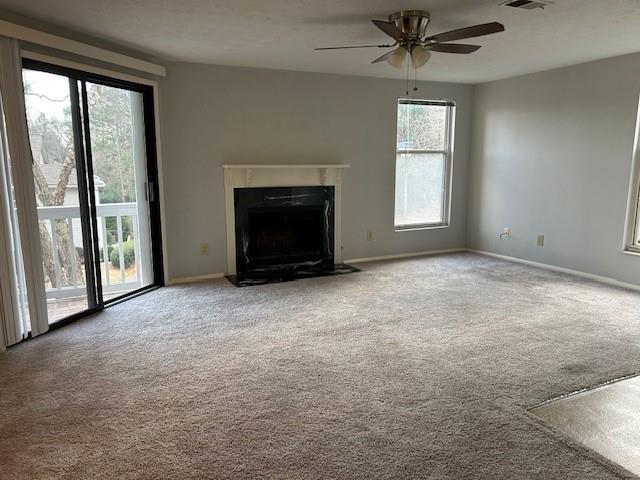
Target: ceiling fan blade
(354, 46)
(452, 47)
(391, 30)
(384, 57)
(467, 32)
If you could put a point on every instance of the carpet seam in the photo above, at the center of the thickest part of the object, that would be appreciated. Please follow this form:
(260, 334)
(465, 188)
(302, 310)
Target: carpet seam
(582, 390)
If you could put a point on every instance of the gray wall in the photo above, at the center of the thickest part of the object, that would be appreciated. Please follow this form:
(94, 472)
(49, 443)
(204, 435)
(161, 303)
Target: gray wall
(213, 115)
(552, 154)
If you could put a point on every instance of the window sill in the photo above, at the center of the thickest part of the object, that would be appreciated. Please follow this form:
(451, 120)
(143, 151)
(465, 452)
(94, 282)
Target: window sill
(413, 228)
(635, 253)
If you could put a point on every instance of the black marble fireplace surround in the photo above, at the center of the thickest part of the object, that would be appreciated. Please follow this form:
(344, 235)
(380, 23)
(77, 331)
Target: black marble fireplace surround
(284, 233)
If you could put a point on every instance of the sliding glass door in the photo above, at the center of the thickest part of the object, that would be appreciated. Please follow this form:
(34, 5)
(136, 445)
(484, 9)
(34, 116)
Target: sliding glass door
(119, 163)
(95, 177)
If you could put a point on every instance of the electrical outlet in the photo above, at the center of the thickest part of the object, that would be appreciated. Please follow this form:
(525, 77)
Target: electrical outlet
(540, 240)
(204, 249)
(369, 235)
(506, 233)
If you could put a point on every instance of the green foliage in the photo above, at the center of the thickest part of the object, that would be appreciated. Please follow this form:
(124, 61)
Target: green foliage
(128, 252)
(111, 224)
(111, 124)
(421, 127)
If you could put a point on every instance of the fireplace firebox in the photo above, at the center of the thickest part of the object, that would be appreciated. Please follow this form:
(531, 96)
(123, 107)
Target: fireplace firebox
(284, 233)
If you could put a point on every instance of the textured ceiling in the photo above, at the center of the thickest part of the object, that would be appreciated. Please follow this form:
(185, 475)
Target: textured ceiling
(281, 34)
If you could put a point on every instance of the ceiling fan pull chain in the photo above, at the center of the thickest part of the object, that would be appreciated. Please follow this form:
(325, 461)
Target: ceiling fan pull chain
(415, 79)
(407, 93)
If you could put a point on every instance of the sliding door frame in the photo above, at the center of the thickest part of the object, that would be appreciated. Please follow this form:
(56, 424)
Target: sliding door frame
(84, 165)
(50, 59)
(84, 198)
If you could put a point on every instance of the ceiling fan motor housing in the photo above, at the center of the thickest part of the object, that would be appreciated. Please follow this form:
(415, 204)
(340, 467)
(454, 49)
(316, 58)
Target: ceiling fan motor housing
(413, 23)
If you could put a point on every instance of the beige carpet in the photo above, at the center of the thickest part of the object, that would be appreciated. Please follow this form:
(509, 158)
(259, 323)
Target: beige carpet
(413, 369)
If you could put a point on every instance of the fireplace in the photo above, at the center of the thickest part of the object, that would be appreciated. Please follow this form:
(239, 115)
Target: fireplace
(281, 228)
(283, 222)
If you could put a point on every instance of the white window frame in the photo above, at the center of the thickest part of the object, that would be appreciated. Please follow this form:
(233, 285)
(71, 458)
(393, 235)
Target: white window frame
(632, 224)
(448, 162)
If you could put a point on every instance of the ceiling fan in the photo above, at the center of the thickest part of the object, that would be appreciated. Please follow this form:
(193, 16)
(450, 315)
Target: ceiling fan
(408, 30)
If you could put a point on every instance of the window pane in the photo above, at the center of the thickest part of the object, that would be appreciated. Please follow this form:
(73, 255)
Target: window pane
(419, 188)
(51, 135)
(421, 127)
(119, 159)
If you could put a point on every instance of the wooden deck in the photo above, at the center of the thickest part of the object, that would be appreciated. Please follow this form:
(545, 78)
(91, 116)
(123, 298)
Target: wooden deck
(64, 307)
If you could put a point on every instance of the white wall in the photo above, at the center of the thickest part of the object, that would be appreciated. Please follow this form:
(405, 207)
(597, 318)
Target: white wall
(213, 115)
(552, 154)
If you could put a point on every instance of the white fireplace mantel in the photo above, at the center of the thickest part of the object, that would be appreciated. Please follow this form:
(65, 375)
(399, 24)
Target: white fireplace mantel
(247, 176)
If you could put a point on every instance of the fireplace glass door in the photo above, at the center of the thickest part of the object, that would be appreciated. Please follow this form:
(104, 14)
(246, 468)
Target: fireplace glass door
(283, 228)
(285, 235)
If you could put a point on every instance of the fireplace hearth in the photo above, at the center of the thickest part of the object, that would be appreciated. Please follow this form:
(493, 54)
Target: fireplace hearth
(284, 233)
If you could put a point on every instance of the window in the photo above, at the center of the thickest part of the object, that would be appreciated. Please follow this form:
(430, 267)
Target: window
(423, 163)
(632, 225)
(633, 237)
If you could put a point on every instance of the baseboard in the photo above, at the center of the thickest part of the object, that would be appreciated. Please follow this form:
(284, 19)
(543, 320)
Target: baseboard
(405, 255)
(546, 266)
(590, 276)
(211, 276)
(196, 278)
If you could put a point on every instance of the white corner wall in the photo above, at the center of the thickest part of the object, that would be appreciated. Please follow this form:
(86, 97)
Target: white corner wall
(551, 154)
(213, 115)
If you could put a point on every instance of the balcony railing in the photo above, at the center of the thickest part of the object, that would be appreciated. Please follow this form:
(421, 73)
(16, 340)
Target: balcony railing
(69, 280)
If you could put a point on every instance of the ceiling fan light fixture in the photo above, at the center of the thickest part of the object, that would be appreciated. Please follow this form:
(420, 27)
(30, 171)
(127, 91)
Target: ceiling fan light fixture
(419, 56)
(397, 59)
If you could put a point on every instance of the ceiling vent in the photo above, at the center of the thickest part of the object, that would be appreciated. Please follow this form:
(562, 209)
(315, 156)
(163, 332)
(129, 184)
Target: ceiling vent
(527, 4)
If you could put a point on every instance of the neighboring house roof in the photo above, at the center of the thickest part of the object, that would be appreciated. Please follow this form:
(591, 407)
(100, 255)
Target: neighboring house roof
(51, 169)
(51, 172)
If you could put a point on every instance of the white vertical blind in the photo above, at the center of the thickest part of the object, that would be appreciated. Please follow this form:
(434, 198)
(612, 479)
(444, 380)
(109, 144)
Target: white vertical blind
(3, 342)
(12, 321)
(19, 150)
